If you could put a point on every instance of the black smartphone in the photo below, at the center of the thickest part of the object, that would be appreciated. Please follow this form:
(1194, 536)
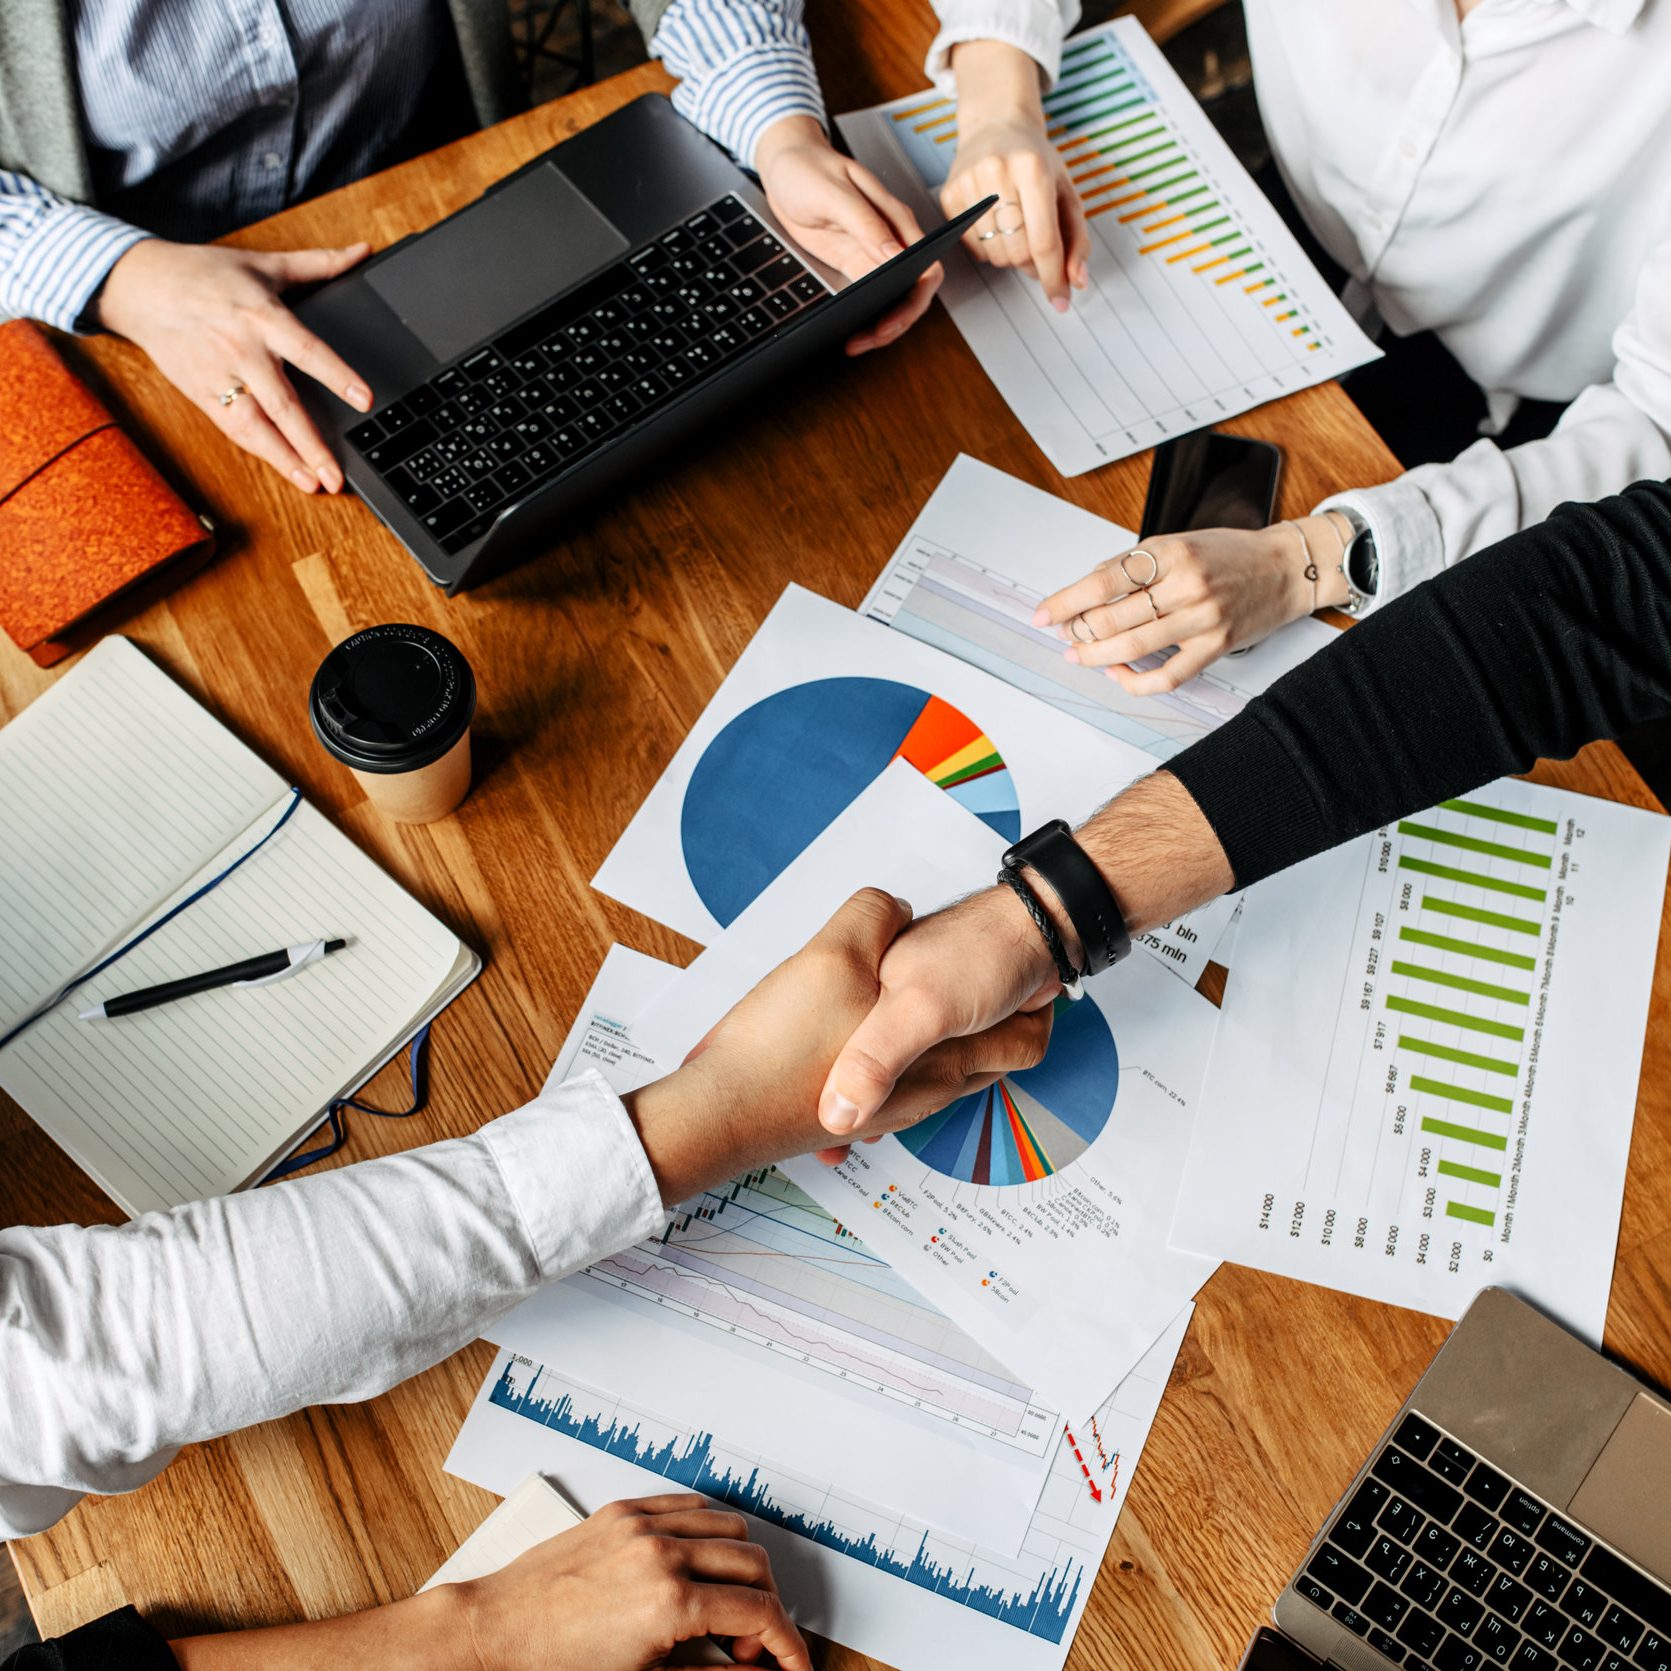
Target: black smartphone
(1208, 480)
(1270, 1652)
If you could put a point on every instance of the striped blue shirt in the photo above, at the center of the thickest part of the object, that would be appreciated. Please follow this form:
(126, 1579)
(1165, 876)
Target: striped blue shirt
(200, 117)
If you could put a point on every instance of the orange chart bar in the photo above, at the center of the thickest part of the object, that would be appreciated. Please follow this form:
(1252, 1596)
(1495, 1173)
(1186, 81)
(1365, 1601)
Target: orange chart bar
(920, 109)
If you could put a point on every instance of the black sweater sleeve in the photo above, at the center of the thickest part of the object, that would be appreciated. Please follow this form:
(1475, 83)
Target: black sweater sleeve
(120, 1641)
(1542, 643)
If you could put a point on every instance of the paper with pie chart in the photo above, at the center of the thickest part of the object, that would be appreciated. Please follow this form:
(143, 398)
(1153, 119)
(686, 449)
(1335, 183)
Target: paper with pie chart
(813, 711)
(1035, 1213)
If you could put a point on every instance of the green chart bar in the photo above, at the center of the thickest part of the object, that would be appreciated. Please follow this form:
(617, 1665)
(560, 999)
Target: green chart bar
(1462, 1058)
(1497, 815)
(1474, 1215)
(1464, 1134)
(1462, 983)
(1490, 849)
(1470, 1174)
(1466, 948)
(1473, 878)
(1473, 914)
(1461, 1093)
(1456, 1018)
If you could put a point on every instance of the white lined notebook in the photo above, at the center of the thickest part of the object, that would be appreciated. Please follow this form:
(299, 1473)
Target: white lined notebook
(119, 794)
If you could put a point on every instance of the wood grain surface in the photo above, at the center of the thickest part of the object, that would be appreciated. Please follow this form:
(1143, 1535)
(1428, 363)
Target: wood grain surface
(593, 661)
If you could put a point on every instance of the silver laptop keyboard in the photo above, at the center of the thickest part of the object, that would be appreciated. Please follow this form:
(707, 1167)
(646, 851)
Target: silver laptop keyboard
(508, 417)
(1443, 1564)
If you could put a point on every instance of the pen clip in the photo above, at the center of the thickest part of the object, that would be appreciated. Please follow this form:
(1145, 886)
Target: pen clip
(300, 958)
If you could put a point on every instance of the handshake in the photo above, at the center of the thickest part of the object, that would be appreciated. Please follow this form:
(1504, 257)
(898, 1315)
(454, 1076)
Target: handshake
(873, 1025)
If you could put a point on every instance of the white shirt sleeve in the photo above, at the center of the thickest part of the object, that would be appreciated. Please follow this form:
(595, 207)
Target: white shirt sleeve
(1613, 434)
(54, 254)
(118, 1345)
(1036, 27)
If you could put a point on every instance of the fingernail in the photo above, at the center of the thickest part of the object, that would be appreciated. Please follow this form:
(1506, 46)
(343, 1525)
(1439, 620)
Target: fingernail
(307, 483)
(329, 477)
(358, 396)
(839, 1115)
(1060, 303)
(1041, 616)
(889, 248)
(903, 904)
(1071, 653)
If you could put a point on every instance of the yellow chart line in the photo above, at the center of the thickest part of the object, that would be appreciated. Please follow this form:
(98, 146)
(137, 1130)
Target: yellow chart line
(1107, 185)
(1161, 243)
(935, 122)
(1290, 314)
(1156, 226)
(1092, 173)
(1227, 277)
(1185, 254)
(920, 109)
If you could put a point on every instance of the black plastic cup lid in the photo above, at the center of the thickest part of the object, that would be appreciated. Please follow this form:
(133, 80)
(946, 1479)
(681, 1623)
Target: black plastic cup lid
(392, 699)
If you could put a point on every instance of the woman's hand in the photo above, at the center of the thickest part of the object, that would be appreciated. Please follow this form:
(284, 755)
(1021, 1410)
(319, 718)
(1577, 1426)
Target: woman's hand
(841, 213)
(1209, 592)
(212, 322)
(748, 1094)
(1003, 150)
(623, 1589)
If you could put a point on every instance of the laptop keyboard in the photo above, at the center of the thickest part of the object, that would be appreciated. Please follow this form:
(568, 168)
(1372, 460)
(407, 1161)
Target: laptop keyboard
(508, 417)
(1439, 1561)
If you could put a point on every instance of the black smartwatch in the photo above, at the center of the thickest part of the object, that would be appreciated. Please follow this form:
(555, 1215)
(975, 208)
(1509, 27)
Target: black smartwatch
(1052, 853)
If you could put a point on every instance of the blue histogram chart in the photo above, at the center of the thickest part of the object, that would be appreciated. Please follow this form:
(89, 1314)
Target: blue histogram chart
(1041, 1603)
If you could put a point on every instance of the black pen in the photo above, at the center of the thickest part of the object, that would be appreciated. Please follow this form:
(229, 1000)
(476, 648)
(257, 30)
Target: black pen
(253, 971)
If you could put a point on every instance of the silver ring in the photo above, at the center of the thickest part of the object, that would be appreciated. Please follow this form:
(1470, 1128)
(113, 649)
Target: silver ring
(1152, 604)
(1073, 630)
(1154, 569)
(233, 393)
(1002, 231)
(986, 237)
(1010, 231)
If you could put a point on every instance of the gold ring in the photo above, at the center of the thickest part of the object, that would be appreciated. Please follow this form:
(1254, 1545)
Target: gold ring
(233, 393)
(1154, 569)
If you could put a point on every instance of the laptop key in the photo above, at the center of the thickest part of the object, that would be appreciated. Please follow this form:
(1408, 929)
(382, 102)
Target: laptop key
(623, 407)
(385, 455)
(468, 534)
(1424, 1584)
(1387, 1559)
(703, 224)
(1460, 1611)
(1563, 1539)
(1654, 1653)
(1497, 1639)
(1382, 1643)
(1472, 1572)
(451, 515)
(1456, 1655)
(1354, 1527)
(1486, 1485)
(675, 372)
(530, 362)
(451, 482)
(1420, 1633)
(1530, 1657)
(505, 412)
(729, 209)
(780, 304)
(511, 478)
(507, 446)
(1385, 1606)
(1522, 1511)
(1353, 1620)
(448, 382)
(423, 402)
(780, 271)
(1403, 1519)
(1618, 1630)
(807, 289)
(633, 299)
(1313, 1592)
(652, 259)
(396, 417)
(1546, 1577)
(1511, 1549)
(1582, 1649)
(1437, 1546)
(483, 496)
(1473, 1525)
(1616, 1662)
(365, 435)
(1427, 1492)
(1585, 1603)
(1450, 1461)
(1509, 1598)
(1340, 1573)
(1544, 1625)
(478, 465)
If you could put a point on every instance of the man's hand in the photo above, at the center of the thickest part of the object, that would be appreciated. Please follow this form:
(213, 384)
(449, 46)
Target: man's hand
(749, 1094)
(1003, 150)
(211, 320)
(842, 214)
(963, 973)
(622, 1590)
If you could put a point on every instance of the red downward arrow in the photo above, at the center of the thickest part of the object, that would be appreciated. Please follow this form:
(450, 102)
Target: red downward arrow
(1090, 1484)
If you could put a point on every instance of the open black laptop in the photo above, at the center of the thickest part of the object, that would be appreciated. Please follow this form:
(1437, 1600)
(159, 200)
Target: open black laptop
(1516, 1513)
(565, 330)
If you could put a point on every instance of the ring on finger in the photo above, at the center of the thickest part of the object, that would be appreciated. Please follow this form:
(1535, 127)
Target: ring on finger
(233, 393)
(1152, 604)
(1089, 636)
(1154, 569)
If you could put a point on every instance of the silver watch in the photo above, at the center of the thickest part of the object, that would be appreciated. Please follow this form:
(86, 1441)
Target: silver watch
(1360, 562)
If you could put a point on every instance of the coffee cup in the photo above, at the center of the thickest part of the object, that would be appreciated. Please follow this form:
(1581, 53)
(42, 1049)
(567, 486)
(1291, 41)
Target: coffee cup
(394, 704)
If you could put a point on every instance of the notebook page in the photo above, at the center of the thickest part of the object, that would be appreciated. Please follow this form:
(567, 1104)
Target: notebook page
(190, 1099)
(114, 787)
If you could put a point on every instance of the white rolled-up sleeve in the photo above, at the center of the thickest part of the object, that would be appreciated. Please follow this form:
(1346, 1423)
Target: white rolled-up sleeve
(1036, 27)
(118, 1345)
(1613, 434)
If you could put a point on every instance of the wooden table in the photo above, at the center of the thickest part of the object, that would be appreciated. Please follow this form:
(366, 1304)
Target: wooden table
(593, 663)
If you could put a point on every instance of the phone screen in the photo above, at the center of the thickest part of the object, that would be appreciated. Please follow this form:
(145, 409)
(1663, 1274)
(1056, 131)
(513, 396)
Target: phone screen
(1270, 1652)
(1208, 480)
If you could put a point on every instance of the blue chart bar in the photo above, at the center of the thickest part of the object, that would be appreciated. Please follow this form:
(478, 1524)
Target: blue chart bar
(689, 1461)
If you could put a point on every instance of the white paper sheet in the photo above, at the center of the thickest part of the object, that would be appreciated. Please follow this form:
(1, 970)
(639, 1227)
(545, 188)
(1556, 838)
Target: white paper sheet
(1426, 1067)
(1201, 304)
(873, 1579)
(780, 1324)
(1056, 1259)
(815, 708)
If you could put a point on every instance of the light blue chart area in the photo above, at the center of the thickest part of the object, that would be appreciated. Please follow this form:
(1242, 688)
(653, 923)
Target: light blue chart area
(1033, 1123)
(784, 769)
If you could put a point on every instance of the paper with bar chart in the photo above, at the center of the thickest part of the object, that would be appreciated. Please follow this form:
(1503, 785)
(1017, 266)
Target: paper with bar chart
(787, 1328)
(1201, 304)
(878, 1580)
(1426, 1066)
(1033, 1213)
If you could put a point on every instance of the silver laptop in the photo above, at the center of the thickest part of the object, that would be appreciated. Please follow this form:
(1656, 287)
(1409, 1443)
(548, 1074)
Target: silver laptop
(1516, 1513)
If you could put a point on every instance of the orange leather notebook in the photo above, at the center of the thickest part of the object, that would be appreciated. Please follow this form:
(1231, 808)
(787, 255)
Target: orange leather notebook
(84, 517)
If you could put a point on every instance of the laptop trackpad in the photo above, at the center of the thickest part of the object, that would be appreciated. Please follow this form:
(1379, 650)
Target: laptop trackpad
(1623, 1496)
(492, 262)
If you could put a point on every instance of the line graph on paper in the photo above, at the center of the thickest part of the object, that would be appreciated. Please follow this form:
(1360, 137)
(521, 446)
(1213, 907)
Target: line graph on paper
(761, 1263)
(1201, 304)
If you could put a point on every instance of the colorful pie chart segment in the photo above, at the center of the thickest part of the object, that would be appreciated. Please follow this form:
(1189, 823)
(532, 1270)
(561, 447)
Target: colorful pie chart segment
(1033, 1123)
(784, 769)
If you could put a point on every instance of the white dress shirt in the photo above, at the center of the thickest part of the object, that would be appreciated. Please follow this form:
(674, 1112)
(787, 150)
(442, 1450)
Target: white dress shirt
(120, 1345)
(1504, 182)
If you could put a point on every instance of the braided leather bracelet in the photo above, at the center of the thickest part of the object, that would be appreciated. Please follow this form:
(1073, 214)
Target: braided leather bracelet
(1069, 976)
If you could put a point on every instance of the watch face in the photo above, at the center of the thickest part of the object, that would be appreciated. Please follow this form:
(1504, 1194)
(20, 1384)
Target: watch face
(1363, 564)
